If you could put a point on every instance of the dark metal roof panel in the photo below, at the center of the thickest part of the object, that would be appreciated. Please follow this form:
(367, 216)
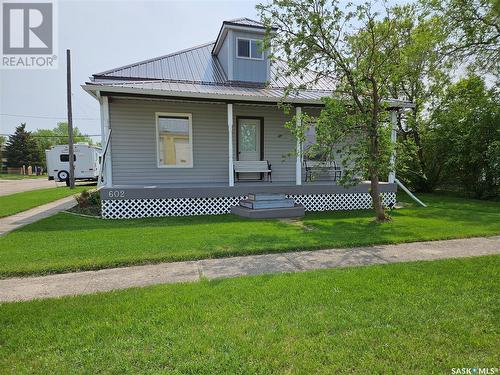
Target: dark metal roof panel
(193, 65)
(241, 91)
(200, 66)
(245, 22)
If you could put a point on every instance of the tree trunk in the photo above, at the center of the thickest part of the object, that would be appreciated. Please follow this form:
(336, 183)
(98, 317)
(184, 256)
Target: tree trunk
(373, 157)
(377, 201)
(373, 172)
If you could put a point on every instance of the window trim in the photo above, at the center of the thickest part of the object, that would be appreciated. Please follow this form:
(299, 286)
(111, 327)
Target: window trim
(171, 114)
(249, 49)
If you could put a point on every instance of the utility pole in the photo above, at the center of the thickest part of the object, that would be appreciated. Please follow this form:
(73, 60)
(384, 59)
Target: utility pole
(71, 151)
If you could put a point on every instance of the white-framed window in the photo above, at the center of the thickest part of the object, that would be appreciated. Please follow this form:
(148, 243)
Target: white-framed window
(174, 140)
(247, 48)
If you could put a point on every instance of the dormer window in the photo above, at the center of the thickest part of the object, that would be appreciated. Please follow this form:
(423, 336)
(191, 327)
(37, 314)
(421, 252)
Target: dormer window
(249, 48)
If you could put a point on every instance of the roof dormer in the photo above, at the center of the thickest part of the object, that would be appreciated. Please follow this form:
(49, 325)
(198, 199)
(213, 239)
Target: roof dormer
(239, 50)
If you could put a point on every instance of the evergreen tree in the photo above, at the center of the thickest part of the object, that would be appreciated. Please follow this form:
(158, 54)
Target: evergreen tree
(22, 149)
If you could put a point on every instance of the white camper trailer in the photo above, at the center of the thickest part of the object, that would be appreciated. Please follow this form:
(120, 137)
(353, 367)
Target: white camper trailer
(87, 162)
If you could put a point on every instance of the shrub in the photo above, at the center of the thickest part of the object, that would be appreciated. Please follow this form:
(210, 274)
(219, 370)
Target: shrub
(88, 199)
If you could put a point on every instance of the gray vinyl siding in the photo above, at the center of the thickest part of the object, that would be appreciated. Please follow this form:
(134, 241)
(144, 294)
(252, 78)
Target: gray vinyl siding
(134, 149)
(248, 69)
(223, 56)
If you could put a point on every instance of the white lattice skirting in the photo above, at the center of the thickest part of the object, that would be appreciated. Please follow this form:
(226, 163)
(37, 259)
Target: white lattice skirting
(135, 208)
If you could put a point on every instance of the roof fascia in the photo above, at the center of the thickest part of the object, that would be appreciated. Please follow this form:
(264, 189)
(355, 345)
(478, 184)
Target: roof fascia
(195, 95)
(93, 89)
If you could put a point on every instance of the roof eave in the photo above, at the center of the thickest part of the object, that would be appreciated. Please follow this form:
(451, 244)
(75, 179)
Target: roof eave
(95, 91)
(92, 89)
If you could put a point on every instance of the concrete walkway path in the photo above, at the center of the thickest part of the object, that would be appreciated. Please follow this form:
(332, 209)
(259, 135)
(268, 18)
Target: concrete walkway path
(19, 289)
(10, 223)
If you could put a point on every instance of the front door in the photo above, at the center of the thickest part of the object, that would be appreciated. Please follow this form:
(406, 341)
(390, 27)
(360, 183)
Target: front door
(249, 143)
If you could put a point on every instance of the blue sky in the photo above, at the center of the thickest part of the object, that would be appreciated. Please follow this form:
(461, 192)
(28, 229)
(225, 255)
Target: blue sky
(104, 35)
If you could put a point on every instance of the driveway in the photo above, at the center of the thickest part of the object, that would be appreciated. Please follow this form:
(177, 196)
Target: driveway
(16, 186)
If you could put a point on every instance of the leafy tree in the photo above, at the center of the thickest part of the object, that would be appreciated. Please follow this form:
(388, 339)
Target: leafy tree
(465, 129)
(46, 138)
(359, 50)
(2, 143)
(420, 78)
(22, 149)
(473, 27)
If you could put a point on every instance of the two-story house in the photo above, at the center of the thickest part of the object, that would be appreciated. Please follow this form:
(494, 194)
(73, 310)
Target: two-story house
(180, 132)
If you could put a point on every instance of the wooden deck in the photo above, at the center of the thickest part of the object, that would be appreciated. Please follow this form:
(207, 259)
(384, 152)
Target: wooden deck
(202, 190)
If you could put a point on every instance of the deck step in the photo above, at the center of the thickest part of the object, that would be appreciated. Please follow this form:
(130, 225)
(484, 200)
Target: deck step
(262, 204)
(266, 196)
(269, 213)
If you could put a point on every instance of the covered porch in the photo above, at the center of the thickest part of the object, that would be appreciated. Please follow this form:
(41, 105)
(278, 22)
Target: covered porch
(137, 185)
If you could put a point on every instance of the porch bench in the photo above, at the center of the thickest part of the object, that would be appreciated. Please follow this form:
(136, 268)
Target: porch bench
(250, 166)
(322, 169)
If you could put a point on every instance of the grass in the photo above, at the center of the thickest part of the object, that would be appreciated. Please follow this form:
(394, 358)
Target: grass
(413, 318)
(18, 202)
(67, 242)
(11, 176)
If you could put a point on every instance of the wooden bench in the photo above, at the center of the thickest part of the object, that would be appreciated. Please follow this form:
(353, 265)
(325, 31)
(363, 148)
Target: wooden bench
(250, 166)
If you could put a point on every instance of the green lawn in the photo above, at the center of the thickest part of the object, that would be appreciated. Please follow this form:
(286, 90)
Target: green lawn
(11, 176)
(18, 202)
(66, 242)
(413, 318)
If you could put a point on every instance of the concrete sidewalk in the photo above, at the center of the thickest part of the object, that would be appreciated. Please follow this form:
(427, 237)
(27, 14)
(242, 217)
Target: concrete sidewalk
(21, 289)
(10, 223)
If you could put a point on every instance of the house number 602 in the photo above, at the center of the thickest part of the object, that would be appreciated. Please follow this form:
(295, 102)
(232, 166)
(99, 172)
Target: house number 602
(116, 193)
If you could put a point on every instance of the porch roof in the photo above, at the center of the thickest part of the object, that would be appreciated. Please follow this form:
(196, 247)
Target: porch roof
(208, 91)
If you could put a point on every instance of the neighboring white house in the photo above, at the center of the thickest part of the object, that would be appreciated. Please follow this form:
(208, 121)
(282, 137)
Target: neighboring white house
(173, 127)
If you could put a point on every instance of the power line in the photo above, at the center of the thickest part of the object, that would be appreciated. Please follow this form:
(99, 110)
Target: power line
(49, 117)
(58, 136)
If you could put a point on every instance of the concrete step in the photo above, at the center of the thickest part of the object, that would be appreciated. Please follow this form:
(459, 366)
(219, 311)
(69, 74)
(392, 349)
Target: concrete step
(260, 204)
(269, 213)
(266, 196)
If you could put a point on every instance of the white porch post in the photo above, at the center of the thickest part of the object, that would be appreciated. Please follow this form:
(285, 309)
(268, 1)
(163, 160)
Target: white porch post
(105, 133)
(298, 161)
(230, 142)
(394, 123)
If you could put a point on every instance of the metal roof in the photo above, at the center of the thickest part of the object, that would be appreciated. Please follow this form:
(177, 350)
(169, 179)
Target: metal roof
(245, 22)
(196, 72)
(195, 64)
(198, 65)
(218, 92)
(205, 92)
